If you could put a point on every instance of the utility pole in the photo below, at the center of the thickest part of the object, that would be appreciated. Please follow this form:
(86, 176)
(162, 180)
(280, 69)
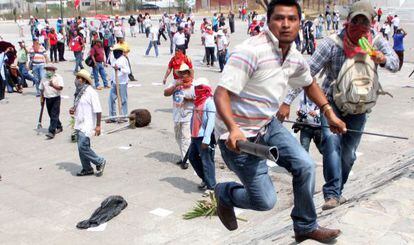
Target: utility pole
(46, 9)
(61, 10)
(96, 11)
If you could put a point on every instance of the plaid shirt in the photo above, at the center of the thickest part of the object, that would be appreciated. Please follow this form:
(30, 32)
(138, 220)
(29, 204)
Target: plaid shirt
(330, 55)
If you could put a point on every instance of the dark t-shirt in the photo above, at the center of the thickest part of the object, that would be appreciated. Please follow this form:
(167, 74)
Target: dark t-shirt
(98, 53)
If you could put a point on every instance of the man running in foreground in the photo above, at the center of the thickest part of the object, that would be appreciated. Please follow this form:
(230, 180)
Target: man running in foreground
(247, 98)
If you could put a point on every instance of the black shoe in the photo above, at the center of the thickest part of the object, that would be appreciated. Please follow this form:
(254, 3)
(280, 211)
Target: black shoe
(50, 135)
(58, 130)
(84, 172)
(226, 214)
(100, 169)
(184, 165)
(179, 162)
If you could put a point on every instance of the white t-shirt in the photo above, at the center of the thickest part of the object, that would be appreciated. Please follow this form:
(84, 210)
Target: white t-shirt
(222, 43)
(85, 113)
(49, 91)
(122, 63)
(209, 39)
(396, 22)
(181, 107)
(60, 38)
(147, 23)
(118, 31)
(153, 36)
(179, 38)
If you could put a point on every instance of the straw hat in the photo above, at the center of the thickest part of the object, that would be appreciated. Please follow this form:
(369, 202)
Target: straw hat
(184, 67)
(118, 47)
(85, 75)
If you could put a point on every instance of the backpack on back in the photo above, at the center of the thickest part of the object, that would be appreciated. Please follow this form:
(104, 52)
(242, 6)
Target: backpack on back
(357, 87)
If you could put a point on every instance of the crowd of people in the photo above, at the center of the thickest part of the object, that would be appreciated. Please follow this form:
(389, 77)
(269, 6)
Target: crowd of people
(246, 105)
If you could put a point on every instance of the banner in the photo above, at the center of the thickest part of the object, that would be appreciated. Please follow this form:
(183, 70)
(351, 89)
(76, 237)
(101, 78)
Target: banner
(77, 3)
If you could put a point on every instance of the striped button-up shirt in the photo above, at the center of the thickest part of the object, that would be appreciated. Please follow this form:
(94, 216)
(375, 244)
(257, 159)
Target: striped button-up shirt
(328, 54)
(256, 75)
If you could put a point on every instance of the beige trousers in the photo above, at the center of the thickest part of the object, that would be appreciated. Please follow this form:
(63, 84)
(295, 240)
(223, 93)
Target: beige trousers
(182, 136)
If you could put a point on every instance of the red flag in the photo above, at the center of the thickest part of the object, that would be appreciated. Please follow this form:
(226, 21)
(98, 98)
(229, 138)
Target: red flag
(77, 2)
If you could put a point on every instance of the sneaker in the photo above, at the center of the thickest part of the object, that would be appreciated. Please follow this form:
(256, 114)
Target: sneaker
(179, 162)
(184, 165)
(99, 88)
(107, 86)
(84, 172)
(58, 130)
(100, 169)
(330, 203)
(50, 135)
(202, 185)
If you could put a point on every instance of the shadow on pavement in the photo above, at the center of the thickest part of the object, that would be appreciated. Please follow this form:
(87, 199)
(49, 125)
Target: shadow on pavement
(187, 186)
(70, 167)
(164, 156)
(166, 110)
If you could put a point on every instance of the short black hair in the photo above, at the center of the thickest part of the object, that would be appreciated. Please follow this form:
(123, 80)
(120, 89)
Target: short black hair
(274, 3)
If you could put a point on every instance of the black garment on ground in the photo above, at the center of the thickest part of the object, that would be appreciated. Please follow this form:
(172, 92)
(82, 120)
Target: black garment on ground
(110, 207)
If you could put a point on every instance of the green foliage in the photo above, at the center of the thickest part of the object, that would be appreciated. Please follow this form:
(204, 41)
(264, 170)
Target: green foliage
(204, 208)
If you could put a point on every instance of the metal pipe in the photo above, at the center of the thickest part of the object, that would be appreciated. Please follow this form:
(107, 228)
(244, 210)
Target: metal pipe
(263, 151)
(349, 130)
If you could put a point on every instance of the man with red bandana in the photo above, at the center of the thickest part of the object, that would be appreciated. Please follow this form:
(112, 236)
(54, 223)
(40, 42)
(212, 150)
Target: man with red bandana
(182, 92)
(339, 151)
(201, 152)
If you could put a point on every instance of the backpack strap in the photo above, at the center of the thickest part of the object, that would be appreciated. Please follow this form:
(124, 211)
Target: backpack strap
(337, 40)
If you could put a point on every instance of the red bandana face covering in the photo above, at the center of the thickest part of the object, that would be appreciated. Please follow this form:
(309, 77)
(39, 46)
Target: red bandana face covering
(353, 33)
(202, 93)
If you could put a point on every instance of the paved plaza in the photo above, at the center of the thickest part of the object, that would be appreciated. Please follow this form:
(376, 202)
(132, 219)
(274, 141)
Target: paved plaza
(41, 199)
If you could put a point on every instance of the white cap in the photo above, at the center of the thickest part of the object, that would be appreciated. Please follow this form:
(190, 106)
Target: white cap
(201, 81)
(20, 40)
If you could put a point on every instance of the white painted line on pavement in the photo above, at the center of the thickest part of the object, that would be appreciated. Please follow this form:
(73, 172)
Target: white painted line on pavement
(157, 84)
(358, 154)
(134, 85)
(124, 147)
(161, 212)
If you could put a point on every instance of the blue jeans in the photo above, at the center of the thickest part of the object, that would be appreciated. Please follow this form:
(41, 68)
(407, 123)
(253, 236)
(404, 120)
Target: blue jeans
(25, 74)
(307, 134)
(99, 70)
(202, 161)
(339, 152)
(86, 154)
(152, 43)
(39, 74)
(78, 60)
(113, 99)
(257, 191)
